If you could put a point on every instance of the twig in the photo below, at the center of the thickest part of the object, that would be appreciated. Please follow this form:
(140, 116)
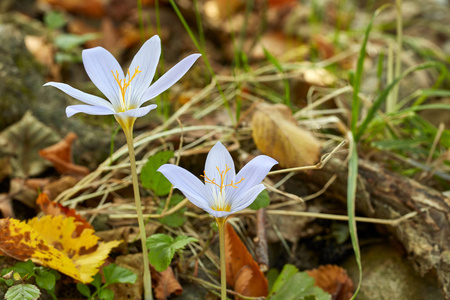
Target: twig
(216, 287)
(325, 158)
(262, 255)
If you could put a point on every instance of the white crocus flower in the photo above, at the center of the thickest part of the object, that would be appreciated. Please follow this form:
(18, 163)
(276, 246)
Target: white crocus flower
(223, 192)
(126, 93)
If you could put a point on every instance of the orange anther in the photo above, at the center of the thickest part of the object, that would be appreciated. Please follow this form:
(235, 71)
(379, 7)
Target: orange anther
(222, 179)
(126, 83)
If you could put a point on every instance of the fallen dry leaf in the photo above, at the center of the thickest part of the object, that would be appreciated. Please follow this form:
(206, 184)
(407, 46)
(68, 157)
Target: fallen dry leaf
(54, 188)
(333, 280)
(223, 9)
(277, 3)
(44, 53)
(23, 140)
(243, 272)
(166, 284)
(277, 134)
(20, 191)
(60, 154)
(49, 241)
(6, 208)
(277, 44)
(51, 208)
(92, 8)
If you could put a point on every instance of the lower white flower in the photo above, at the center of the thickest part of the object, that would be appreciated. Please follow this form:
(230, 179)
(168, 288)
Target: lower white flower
(223, 192)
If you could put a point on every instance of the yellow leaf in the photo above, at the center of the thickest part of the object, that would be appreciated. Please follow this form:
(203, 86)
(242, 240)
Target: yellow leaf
(50, 242)
(276, 134)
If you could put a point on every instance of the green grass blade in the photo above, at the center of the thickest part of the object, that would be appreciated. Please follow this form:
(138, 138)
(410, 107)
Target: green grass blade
(351, 195)
(278, 66)
(353, 162)
(203, 53)
(383, 95)
(439, 106)
(356, 81)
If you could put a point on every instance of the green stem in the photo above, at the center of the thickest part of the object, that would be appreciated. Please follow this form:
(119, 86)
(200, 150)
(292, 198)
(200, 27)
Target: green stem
(147, 277)
(223, 273)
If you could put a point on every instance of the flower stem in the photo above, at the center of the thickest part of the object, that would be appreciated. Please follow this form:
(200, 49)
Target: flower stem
(147, 277)
(223, 270)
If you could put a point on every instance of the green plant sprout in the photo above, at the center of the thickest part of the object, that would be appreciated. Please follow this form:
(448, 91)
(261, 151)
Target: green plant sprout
(112, 274)
(45, 278)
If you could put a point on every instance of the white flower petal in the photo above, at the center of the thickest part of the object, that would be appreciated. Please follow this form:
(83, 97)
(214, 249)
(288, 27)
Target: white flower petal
(188, 184)
(147, 60)
(219, 214)
(82, 96)
(169, 79)
(88, 109)
(99, 65)
(253, 173)
(245, 199)
(137, 112)
(219, 157)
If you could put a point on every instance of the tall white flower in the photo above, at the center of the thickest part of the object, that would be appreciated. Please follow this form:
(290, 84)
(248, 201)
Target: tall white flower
(223, 192)
(126, 93)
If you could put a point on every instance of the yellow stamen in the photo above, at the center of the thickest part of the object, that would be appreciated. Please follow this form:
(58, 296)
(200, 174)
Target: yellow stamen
(220, 200)
(227, 207)
(126, 83)
(222, 179)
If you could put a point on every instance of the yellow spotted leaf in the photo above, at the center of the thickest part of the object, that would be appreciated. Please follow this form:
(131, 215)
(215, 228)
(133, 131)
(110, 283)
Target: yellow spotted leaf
(51, 241)
(277, 134)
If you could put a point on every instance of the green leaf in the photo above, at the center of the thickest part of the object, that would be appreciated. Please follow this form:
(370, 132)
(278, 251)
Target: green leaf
(97, 282)
(176, 219)
(272, 276)
(287, 272)
(63, 57)
(54, 20)
(153, 180)
(84, 289)
(162, 248)
(69, 41)
(45, 279)
(298, 286)
(23, 292)
(116, 274)
(106, 294)
(24, 268)
(9, 282)
(262, 200)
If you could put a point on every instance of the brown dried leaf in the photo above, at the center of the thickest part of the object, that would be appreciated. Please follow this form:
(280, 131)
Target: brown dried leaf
(277, 3)
(60, 154)
(243, 272)
(333, 280)
(92, 8)
(166, 284)
(54, 188)
(6, 209)
(24, 139)
(277, 134)
(223, 9)
(43, 51)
